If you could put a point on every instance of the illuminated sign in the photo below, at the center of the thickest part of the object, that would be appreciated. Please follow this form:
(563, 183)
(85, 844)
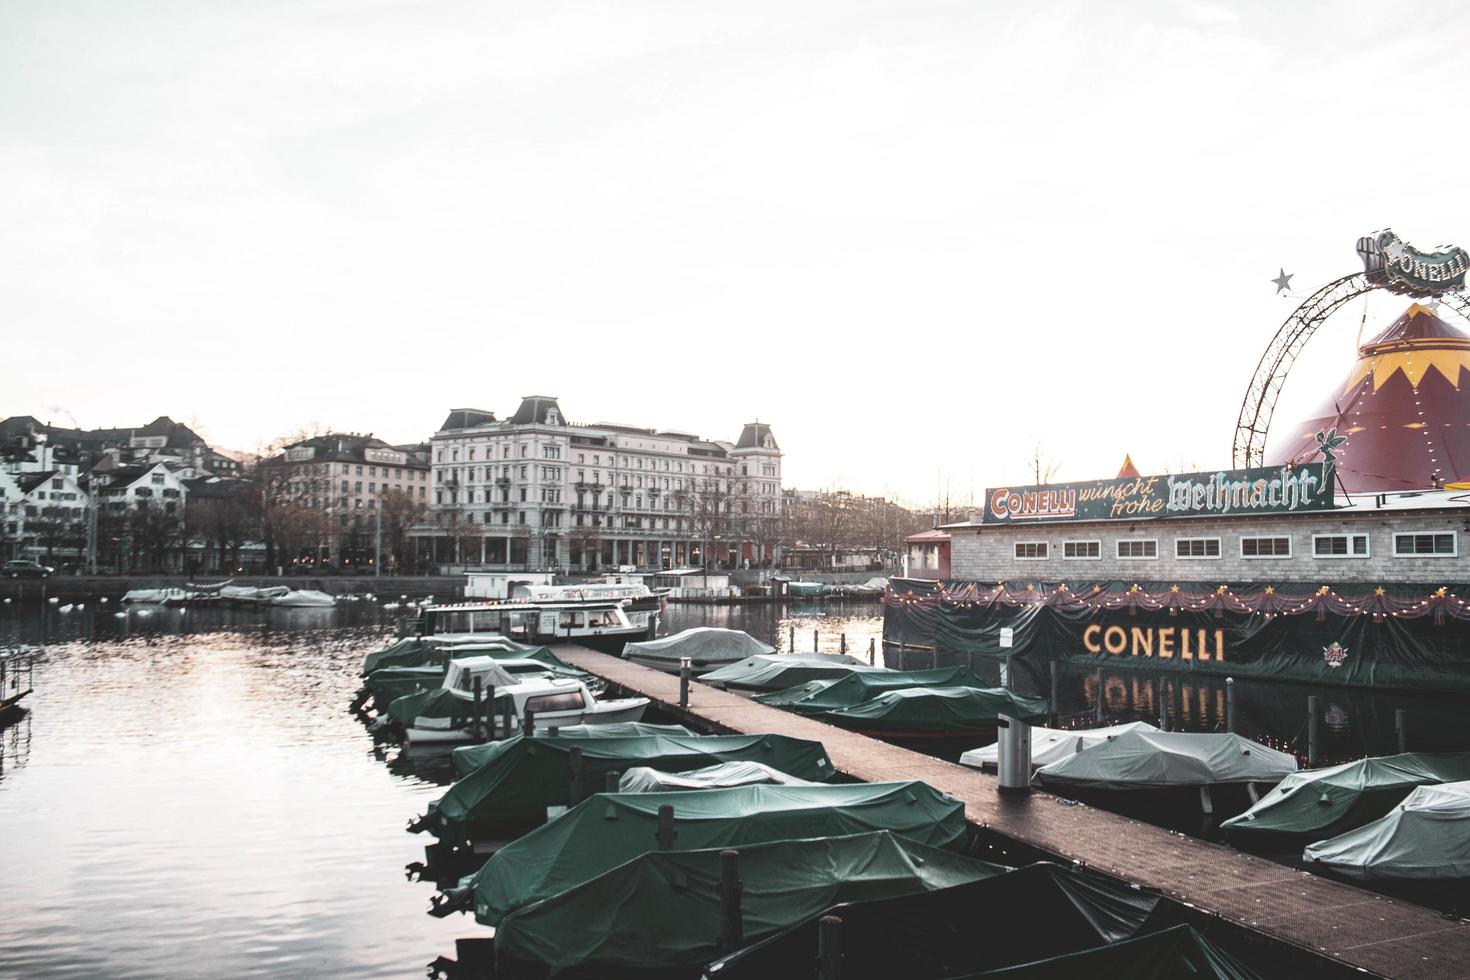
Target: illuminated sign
(1393, 263)
(1260, 490)
(1163, 642)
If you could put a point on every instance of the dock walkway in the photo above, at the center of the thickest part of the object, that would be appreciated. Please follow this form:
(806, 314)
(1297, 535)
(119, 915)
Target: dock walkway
(1381, 935)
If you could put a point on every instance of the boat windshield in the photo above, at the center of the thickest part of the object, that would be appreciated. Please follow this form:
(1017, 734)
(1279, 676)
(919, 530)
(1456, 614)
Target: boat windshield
(563, 701)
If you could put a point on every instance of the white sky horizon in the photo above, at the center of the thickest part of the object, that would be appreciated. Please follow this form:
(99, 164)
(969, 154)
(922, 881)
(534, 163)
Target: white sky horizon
(918, 239)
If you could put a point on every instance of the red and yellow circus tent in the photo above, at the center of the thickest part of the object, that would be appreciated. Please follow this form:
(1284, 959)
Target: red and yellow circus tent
(1405, 410)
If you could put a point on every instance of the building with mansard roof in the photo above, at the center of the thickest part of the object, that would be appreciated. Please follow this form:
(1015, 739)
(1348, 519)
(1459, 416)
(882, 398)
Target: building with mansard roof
(537, 491)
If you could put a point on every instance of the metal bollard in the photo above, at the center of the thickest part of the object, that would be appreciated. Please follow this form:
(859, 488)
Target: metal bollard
(814, 641)
(1314, 756)
(530, 725)
(829, 948)
(1401, 728)
(476, 727)
(731, 932)
(575, 792)
(686, 670)
(791, 640)
(873, 650)
(611, 781)
(665, 836)
(1013, 764)
(508, 713)
(1230, 704)
(1097, 709)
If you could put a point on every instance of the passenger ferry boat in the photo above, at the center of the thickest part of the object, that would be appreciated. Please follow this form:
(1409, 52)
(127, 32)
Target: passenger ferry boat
(643, 606)
(600, 624)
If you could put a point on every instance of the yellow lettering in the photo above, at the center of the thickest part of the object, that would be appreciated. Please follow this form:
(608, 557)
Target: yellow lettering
(1184, 652)
(1115, 633)
(1166, 642)
(1143, 637)
(1089, 638)
(1219, 644)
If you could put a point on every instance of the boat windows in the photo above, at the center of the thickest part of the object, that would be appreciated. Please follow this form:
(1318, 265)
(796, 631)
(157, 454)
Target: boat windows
(570, 620)
(1030, 551)
(1339, 546)
(564, 701)
(1273, 547)
(1138, 549)
(1082, 550)
(1192, 548)
(1425, 545)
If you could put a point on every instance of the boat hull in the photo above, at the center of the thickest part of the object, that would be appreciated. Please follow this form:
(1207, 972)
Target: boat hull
(603, 713)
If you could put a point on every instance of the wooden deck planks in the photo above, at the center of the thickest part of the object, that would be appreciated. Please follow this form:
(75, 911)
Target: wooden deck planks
(1378, 934)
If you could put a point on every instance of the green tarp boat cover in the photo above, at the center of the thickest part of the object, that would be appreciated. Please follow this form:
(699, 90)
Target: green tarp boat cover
(1178, 953)
(387, 684)
(775, 672)
(1317, 803)
(1427, 836)
(937, 711)
(662, 909)
(417, 651)
(468, 758)
(512, 788)
(1153, 760)
(1001, 921)
(609, 829)
(642, 779)
(707, 647)
(855, 688)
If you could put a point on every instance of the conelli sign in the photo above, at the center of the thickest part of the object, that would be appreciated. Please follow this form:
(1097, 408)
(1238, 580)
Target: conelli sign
(1259, 490)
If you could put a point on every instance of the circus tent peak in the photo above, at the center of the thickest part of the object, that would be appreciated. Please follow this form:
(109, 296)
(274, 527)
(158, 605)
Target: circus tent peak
(1404, 408)
(1129, 471)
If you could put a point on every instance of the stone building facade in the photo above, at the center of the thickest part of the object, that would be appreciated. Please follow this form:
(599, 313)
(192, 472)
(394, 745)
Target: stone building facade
(1415, 537)
(536, 491)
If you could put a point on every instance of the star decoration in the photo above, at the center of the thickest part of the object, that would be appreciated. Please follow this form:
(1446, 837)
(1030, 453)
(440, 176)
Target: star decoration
(1379, 591)
(1270, 590)
(1322, 591)
(1441, 591)
(1173, 588)
(1283, 282)
(1220, 590)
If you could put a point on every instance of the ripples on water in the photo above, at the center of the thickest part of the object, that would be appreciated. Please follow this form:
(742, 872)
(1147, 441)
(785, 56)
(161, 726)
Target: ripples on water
(190, 797)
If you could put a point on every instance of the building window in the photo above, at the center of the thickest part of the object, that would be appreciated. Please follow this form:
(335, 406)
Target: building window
(1265, 547)
(1137, 549)
(1082, 550)
(1190, 548)
(1339, 546)
(1031, 551)
(1425, 545)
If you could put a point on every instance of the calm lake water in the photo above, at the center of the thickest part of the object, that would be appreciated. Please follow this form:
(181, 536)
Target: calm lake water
(189, 795)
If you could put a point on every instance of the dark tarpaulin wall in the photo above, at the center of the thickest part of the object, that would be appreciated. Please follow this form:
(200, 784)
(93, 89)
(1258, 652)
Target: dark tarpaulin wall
(1404, 637)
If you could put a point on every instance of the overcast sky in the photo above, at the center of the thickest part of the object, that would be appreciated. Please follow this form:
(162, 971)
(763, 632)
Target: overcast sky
(918, 238)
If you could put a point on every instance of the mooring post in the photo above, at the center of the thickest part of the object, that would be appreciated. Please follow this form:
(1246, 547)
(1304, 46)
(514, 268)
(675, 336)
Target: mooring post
(530, 728)
(731, 937)
(841, 642)
(1401, 728)
(476, 728)
(1055, 714)
(1097, 697)
(665, 836)
(814, 641)
(685, 671)
(1159, 695)
(829, 948)
(611, 781)
(554, 731)
(508, 713)
(873, 650)
(575, 793)
(1313, 755)
(1230, 704)
(791, 640)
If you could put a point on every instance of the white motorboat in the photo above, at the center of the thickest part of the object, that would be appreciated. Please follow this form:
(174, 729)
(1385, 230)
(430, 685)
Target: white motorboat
(304, 599)
(602, 625)
(448, 713)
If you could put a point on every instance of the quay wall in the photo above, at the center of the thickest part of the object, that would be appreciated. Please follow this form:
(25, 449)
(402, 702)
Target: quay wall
(113, 586)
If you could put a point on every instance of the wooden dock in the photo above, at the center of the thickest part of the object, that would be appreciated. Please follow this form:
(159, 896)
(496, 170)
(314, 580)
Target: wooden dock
(1356, 927)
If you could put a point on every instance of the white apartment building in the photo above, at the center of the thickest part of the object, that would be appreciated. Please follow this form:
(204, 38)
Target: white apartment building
(535, 491)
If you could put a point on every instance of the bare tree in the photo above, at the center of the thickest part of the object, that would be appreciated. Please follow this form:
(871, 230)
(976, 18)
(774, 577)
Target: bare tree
(399, 512)
(1042, 467)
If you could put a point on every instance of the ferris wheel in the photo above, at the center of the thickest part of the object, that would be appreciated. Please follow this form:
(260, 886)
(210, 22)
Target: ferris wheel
(1389, 263)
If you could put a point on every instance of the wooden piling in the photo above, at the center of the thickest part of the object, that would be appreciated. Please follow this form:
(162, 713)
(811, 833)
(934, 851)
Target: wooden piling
(1230, 704)
(475, 728)
(731, 931)
(1314, 755)
(829, 948)
(1401, 728)
(576, 791)
(666, 834)
(610, 781)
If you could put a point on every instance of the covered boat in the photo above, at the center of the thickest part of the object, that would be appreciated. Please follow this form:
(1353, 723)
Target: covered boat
(816, 697)
(610, 829)
(706, 648)
(643, 779)
(448, 713)
(1049, 745)
(995, 922)
(778, 671)
(1317, 803)
(1172, 954)
(1156, 760)
(662, 910)
(936, 712)
(304, 599)
(387, 684)
(1426, 837)
(418, 651)
(519, 778)
(806, 590)
(155, 597)
(249, 595)
(468, 758)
